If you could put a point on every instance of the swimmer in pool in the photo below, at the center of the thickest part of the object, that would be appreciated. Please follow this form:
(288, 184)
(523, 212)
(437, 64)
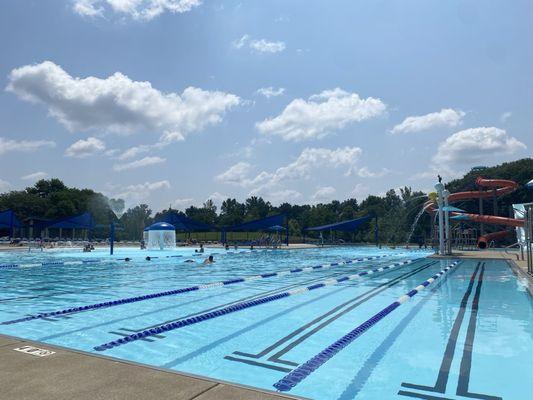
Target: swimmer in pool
(209, 260)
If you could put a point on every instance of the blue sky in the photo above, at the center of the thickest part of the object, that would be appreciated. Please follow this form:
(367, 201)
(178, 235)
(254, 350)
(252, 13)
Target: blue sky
(176, 101)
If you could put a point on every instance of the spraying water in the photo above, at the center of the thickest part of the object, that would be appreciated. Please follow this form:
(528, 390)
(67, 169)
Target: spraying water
(413, 227)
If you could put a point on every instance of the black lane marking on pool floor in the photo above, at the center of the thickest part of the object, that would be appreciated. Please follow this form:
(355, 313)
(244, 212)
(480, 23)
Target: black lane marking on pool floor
(360, 299)
(373, 360)
(250, 297)
(466, 360)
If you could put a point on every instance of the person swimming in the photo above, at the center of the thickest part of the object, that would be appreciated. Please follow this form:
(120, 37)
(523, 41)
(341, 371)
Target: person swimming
(209, 260)
(201, 250)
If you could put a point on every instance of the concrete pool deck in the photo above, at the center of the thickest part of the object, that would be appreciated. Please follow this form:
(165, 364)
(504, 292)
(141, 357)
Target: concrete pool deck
(512, 257)
(69, 374)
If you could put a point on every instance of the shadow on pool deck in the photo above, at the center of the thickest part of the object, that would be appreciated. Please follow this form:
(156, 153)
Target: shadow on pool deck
(69, 374)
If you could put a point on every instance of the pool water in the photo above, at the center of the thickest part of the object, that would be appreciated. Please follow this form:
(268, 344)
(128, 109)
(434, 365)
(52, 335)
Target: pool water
(469, 334)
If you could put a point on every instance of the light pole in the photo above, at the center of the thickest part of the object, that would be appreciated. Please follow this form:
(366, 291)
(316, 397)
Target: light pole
(439, 187)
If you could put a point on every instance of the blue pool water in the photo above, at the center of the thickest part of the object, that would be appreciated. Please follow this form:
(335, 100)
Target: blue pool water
(467, 335)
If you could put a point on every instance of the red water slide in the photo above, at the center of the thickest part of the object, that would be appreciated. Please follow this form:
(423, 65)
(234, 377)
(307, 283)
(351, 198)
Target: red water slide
(495, 187)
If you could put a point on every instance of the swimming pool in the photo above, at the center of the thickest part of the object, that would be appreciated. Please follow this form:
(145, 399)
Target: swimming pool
(469, 334)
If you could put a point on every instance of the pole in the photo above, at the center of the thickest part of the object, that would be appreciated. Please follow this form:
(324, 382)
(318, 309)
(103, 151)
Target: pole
(440, 188)
(528, 227)
(376, 232)
(445, 194)
(481, 225)
(111, 237)
(11, 225)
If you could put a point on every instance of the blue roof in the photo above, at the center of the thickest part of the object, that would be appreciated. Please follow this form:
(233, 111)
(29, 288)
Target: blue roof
(161, 226)
(8, 219)
(82, 221)
(258, 224)
(182, 223)
(347, 226)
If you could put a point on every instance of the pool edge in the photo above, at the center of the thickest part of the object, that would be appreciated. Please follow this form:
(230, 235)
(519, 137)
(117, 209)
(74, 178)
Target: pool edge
(210, 387)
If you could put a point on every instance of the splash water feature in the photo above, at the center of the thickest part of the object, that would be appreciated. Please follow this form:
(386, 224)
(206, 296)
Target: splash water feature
(413, 227)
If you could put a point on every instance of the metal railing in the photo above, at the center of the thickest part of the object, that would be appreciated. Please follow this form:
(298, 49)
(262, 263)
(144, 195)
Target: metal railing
(528, 227)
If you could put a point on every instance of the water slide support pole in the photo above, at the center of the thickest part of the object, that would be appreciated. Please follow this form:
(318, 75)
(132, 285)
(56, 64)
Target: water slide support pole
(440, 188)
(447, 227)
(481, 225)
(528, 226)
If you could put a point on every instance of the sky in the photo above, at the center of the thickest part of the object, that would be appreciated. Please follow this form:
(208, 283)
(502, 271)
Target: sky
(172, 102)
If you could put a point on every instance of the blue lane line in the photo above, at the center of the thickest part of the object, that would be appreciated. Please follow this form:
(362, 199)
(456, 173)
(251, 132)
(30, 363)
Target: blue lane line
(48, 263)
(303, 371)
(241, 306)
(181, 290)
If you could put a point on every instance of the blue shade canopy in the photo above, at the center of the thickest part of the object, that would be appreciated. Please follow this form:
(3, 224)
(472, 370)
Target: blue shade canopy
(262, 224)
(82, 221)
(276, 228)
(8, 219)
(182, 223)
(161, 226)
(346, 226)
(529, 185)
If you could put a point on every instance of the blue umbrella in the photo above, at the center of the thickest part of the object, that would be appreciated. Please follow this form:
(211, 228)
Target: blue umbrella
(529, 185)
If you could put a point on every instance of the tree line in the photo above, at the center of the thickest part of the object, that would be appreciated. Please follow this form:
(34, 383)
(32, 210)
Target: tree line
(395, 211)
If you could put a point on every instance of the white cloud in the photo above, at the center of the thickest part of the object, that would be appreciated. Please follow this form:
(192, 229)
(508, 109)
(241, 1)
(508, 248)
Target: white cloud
(143, 162)
(85, 148)
(360, 191)
(144, 10)
(311, 158)
(182, 204)
(217, 198)
(446, 117)
(236, 174)
(476, 146)
(35, 176)
(324, 193)
(4, 185)
(270, 91)
(282, 196)
(239, 44)
(134, 152)
(141, 191)
(118, 104)
(88, 8)
(271, 184)
(365, 172)
(321, 115)
(259, 45)
(266, 46)
(9, 145)
(505, 117)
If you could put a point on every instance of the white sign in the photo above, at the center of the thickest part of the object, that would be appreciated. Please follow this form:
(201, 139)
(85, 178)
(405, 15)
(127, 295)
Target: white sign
(35, 351)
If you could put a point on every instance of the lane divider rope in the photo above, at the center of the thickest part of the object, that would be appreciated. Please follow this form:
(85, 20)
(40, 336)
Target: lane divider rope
(303, 371)
(243, 305)
(186, 290)
(48, 263)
